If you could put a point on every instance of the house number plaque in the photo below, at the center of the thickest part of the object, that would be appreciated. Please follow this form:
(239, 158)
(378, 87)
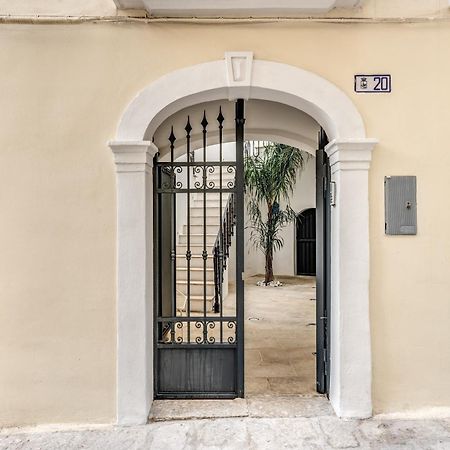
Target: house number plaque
(373, 84)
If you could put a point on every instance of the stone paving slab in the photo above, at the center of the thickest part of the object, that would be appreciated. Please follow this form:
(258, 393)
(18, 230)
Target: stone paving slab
(289, 406)
(258, 422)
(325, 432)
(163, 410)
(252, 406)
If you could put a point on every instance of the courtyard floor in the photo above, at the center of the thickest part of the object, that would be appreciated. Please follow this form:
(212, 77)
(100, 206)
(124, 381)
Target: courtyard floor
(280, 337)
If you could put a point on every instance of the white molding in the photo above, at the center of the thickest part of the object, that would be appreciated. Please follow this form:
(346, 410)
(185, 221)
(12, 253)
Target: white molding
(351, 363)
(350, 155)
(134, 161)
(132, 156)
(234, 8)
(239, 74)
(271, 81)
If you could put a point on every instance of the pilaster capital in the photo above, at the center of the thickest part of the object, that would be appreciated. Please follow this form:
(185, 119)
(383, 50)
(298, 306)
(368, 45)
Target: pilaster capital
(133, 156)
(350, 154)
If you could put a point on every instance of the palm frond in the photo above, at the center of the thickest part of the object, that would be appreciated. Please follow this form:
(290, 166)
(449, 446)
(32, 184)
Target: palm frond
(270, 178)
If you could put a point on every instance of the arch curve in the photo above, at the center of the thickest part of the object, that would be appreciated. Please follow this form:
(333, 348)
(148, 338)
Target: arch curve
(271, 81)
(349, 153)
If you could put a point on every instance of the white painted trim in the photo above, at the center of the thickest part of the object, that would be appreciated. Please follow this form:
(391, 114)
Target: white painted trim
(272, 81)
(234, 8)
(239, 74)
(350, 155)
(434, 412)
(351, 360)
(134, 280)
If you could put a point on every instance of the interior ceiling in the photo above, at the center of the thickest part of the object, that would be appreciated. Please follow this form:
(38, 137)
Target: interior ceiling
(265, 120)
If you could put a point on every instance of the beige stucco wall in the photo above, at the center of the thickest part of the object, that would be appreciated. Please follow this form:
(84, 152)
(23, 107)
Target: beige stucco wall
(58, 7)
(63, 90)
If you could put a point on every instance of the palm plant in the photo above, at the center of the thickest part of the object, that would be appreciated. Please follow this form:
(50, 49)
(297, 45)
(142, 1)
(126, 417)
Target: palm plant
(270, 177)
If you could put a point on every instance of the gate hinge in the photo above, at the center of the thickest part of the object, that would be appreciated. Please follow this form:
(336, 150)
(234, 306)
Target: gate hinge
(332, 193)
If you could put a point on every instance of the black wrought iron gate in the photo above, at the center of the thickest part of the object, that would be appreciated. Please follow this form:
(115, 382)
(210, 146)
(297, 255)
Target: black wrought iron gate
(323, 257)
(199, 230)
(306, 242)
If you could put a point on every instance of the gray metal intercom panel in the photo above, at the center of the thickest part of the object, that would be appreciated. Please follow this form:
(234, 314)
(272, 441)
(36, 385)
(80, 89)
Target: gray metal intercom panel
(400, 205)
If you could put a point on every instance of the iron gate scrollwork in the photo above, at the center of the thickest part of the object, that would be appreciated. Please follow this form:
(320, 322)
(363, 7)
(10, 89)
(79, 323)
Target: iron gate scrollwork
(198, 335)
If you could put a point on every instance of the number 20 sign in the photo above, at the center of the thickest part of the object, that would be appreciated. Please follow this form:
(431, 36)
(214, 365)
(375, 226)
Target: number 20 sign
(374, 84)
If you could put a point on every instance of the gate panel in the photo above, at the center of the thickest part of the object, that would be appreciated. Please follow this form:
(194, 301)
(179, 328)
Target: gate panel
(323, 265)
(197, 372)
(198, 327)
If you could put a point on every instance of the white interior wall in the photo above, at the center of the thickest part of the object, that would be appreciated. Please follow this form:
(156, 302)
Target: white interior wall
(284, 260)
(304, 197)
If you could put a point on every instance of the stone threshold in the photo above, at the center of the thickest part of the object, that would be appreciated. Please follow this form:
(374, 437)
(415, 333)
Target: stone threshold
(261, 406)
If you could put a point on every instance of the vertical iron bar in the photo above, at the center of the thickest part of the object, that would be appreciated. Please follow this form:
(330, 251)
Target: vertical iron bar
(220, 119)
(205, 253)
(188, 129)
(327, 263)
(322, 264)
(156, 262)
(173, 252)
(239, 212)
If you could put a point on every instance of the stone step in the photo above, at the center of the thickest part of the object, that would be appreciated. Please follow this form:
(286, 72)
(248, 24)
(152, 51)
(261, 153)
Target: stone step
(196, 249)
(210, 203)
(196, 260)
(198, 229)
(197, 211)
(210, 220)
(196, 273)
(211, 196)
(197, 239)
(196, 287)
(196, 303)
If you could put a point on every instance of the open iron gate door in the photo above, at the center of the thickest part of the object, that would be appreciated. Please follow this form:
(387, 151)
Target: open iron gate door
(323, 268)
(306, 242)
(199, 211)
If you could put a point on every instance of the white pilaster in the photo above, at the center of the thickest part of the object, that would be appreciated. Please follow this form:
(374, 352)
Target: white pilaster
(351, 363)
(134, 162)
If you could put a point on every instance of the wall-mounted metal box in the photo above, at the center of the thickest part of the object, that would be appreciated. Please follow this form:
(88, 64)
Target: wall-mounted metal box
(400, 205)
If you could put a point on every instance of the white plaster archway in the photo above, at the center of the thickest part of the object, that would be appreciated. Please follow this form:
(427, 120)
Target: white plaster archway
(263, 121)
(350, 154)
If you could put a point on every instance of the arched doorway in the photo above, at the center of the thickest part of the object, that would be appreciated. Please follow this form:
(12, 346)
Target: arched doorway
(306, 242)
(349, 152)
